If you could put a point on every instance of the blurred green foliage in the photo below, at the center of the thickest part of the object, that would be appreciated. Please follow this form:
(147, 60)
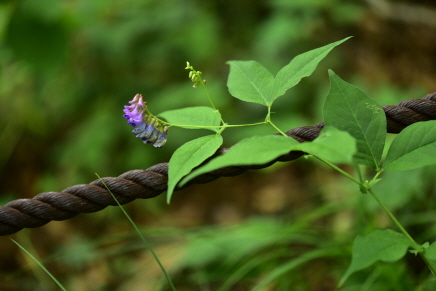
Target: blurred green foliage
(67, 69)
(77, 63)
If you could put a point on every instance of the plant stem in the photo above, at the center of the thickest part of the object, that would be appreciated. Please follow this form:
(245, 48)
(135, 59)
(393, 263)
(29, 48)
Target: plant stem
(339, 170)
(377, 174)
(276, 128)
(208, 97)
(359, 172)
(242, 125)
(416, 245)
(268, 121)
(207, 92)
(207, 127)
(393, 217)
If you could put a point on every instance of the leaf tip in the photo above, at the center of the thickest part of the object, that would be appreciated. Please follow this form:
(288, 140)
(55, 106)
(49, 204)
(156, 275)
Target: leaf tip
(169, 197)
(344, 40)
(331, 72)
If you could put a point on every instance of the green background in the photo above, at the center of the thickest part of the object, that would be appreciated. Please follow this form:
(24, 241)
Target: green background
(69, 67)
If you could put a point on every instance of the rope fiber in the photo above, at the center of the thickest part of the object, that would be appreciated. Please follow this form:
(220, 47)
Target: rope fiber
(149, 183)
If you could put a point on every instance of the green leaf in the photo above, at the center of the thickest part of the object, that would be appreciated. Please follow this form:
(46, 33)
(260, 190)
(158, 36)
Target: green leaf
(430, 254)
(197, 116)
(189, 156)
(380, 245)
(301, 66)
(250, 81)
(413, 147)
(349, 108)
(250, 151)
(332, 144)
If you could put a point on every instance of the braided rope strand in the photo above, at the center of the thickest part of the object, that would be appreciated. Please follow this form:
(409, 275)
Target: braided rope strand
(149, 183)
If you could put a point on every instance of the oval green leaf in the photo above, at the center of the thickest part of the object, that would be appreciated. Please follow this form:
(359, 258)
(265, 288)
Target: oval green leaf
(380, 245)
(189, 156)
(348, 108)
(200, 116)
(413, 147)
(332, 144)
(301, 66)
(250, 81)
(255, 150)
(430, 254)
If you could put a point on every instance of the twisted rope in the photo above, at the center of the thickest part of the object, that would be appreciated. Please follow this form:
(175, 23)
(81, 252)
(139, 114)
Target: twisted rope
(131, 185)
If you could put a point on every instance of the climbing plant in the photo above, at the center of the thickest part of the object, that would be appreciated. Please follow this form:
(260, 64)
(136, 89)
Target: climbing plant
(353, 134)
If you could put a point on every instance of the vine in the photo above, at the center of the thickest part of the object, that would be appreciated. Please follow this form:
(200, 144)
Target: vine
(354, 134)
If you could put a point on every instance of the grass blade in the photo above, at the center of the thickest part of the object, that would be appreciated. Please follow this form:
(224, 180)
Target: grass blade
(42, 267)
(142, 237)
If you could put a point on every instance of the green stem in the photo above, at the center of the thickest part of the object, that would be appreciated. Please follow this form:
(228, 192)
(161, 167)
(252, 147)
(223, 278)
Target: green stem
(206, 127)
(378, 174)
(339, 170)
(393, 217)
(276, 128)
(243, 125)
(359, 172)
(207, 92)
(208, 97)
(416, 245)
(268, 121)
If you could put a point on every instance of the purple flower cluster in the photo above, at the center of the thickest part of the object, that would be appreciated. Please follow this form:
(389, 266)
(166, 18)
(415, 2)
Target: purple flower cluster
(146, 127)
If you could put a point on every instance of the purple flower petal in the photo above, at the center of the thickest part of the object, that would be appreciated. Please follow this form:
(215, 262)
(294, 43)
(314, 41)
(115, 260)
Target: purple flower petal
(140, 128)
(134, 112)
(162, 139)
(149, 131)
(154, 135)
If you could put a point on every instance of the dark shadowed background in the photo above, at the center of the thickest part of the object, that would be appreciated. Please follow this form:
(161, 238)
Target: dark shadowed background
(69, 67)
